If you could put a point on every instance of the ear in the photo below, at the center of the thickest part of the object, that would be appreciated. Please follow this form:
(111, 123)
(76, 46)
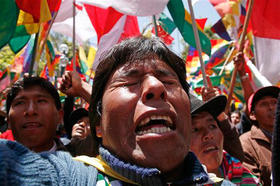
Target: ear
(253, 116)
(98, 131)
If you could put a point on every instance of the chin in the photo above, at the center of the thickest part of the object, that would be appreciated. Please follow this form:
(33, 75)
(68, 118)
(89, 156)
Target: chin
(164, 160)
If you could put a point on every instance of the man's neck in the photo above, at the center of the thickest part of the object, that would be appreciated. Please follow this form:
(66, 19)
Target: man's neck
(46, 147)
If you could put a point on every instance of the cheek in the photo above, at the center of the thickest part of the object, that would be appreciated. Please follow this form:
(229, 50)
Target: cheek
(195, 144)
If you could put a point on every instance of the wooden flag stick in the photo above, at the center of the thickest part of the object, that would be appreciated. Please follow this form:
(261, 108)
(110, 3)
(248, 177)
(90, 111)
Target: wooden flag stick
(227, 60)
(74, 36)
(241, 47)
(198, 46)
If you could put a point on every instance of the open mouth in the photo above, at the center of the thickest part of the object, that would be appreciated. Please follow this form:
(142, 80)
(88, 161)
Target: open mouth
(210, 149)
(155, 124)
(31, 125)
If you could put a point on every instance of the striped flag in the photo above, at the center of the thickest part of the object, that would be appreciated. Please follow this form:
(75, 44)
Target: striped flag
(182, 20)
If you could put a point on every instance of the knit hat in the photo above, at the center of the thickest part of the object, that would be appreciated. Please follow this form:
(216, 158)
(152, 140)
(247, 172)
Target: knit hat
(259, 94)
(214, 106)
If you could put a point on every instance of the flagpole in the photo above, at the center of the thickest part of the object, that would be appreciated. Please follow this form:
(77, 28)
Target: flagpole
(241, 47)
(41, 47)
(155, 25)
(74, 36)
(34, 51)
(227, 60)
(198, 46)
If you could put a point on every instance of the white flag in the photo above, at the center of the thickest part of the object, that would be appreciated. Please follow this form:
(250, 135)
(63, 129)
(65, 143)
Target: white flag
(130, 7)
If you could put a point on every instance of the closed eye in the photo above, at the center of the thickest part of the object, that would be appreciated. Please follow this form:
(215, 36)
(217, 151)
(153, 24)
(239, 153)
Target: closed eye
(19, 102)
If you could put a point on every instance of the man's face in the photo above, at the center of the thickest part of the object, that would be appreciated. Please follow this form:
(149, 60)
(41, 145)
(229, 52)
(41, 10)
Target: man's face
(33, 118)
(146, 115)
(81, 129)
(264, 112)
(235, 118)
(207, 140)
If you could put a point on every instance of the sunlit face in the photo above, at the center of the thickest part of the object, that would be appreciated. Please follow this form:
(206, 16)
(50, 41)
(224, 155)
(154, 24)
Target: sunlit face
(264, 112)
(81, 129)
(146, 115)
(33, 118)
(207, 141)
(235, 118)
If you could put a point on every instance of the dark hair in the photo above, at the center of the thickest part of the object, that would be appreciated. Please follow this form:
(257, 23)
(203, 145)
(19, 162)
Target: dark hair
(27, 82)
(130, 51)
(236, 112)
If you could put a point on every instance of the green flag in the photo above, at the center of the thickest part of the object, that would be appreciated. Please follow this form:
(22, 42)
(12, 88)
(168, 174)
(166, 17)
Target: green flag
(183, 22)
(19, 39)
(8, 20)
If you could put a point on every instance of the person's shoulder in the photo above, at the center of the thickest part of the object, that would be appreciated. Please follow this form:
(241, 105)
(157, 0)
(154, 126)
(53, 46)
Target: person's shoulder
(245, 136)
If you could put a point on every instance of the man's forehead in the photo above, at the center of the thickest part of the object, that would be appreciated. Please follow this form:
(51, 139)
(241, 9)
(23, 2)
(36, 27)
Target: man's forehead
(156, 65)
(266, 98)
(33, 91)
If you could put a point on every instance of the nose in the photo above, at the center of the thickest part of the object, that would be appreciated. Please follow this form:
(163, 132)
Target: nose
(31, 109)
(153, 88)
(207, 135)
(82, 124)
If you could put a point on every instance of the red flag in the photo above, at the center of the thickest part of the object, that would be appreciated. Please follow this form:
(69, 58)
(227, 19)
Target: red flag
(34, 7)
(111, 27)
(167, 39)
(131, 28)
(265, 19)
(103, 20)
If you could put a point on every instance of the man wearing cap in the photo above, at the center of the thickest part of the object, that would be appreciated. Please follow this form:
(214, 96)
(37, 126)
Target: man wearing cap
(78, 131)
(257, 142)
(208, 140)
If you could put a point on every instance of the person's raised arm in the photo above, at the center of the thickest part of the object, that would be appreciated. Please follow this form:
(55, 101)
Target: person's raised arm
(231, 136)
(73, 85)
(239, 62)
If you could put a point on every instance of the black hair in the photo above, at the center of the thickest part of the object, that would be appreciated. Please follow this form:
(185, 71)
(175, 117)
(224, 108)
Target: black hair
(130, 51)
(236, 112)
(27, 82)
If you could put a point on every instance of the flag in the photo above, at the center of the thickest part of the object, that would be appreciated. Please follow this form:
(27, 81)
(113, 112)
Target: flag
(5, 80)
(182, 20)
(27, 55)
(266, 29)
(64, 25)
(90, 60)
(128, 7)
(220, 29)
(219, 48)
(165, 36)
(83, 60)
(8, 20)
(111, 26)
(19, 39)
(39, 9)
(230, 11)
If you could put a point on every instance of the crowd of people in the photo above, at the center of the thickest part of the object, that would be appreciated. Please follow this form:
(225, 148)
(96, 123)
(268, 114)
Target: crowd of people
(143, 127)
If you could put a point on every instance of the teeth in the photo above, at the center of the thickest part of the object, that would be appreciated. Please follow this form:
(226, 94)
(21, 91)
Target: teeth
(156, 130)
(146, 120)
(211, 148)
